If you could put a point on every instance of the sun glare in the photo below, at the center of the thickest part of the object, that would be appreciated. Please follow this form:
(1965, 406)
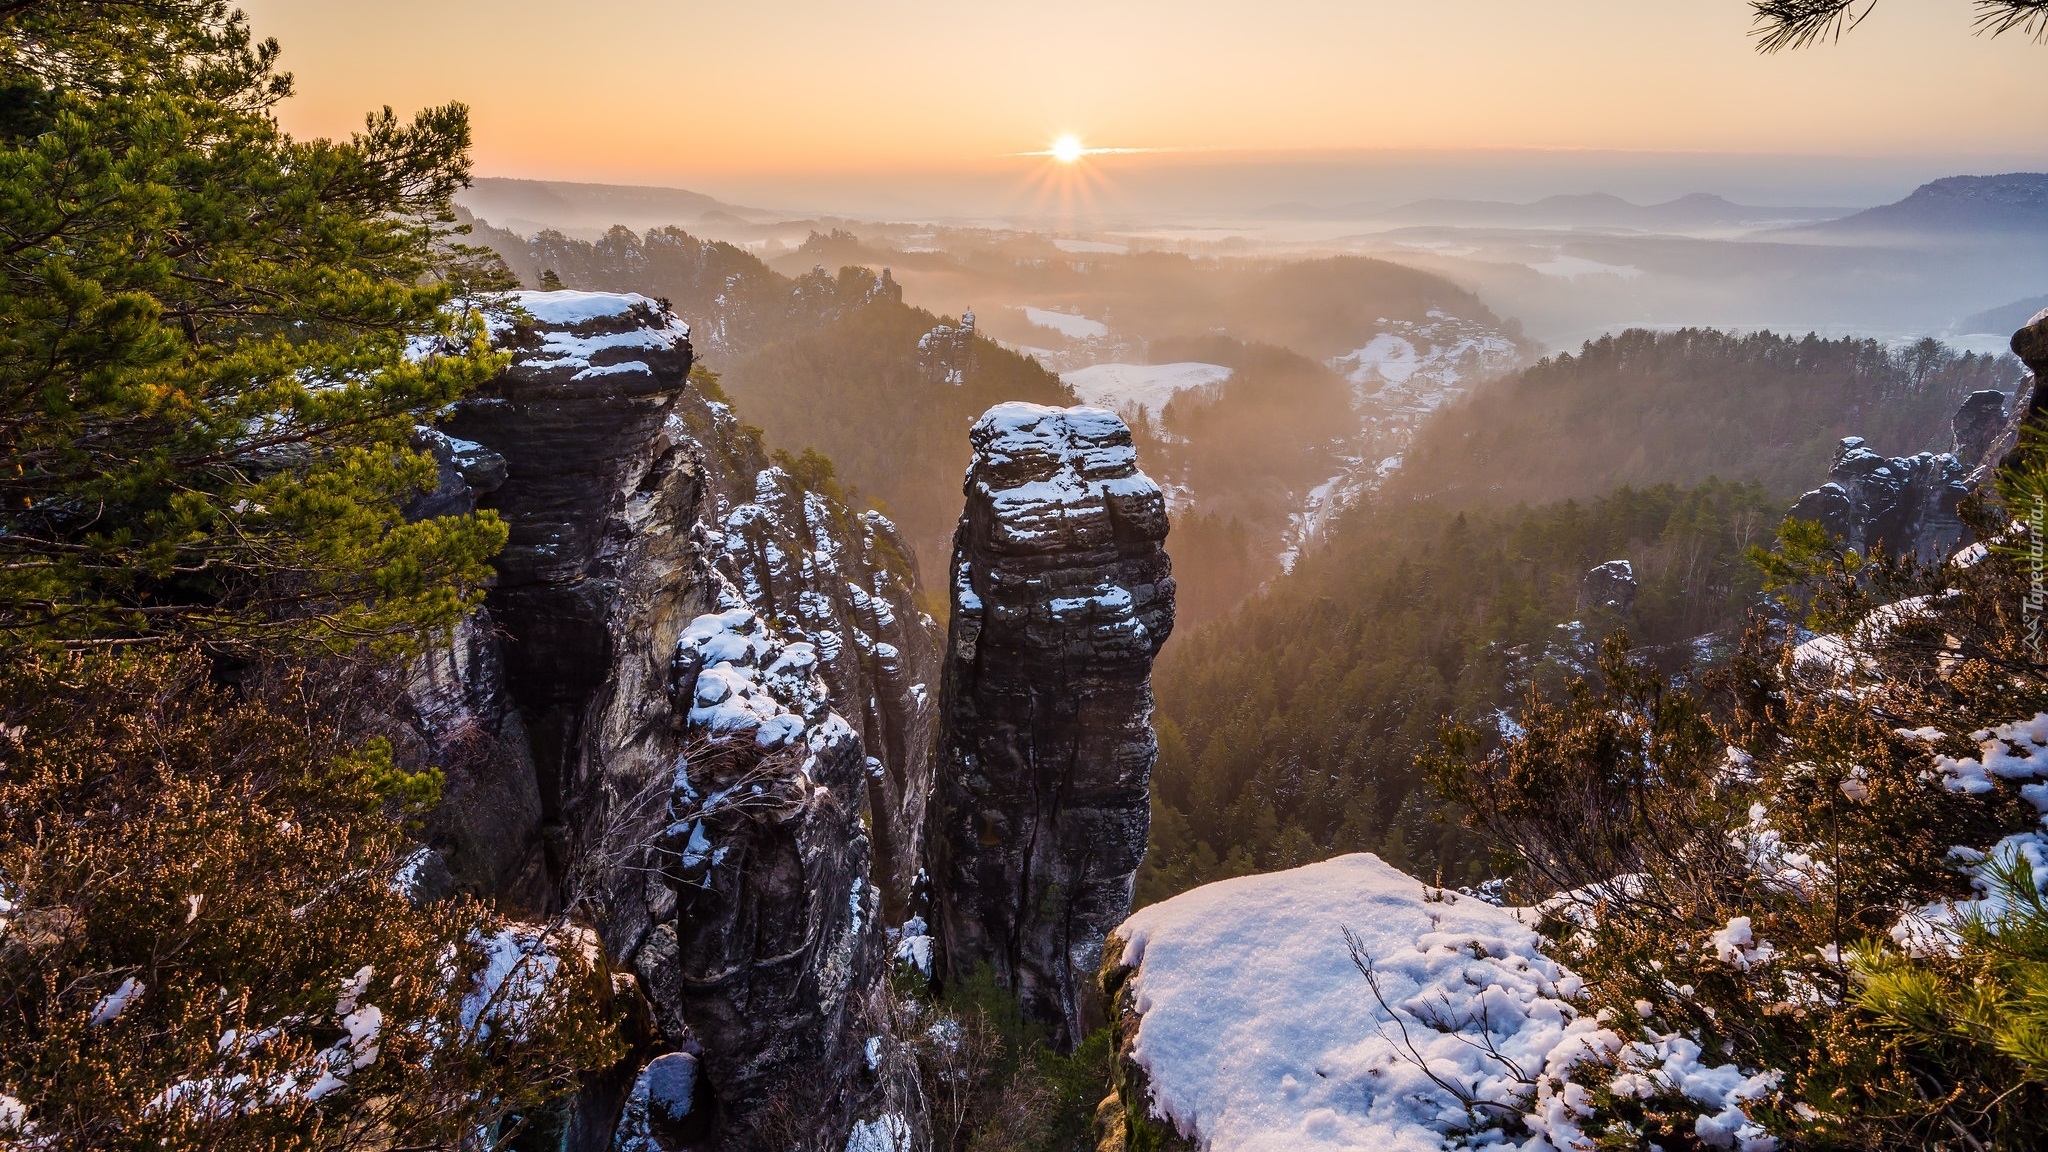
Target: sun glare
(1067, 149)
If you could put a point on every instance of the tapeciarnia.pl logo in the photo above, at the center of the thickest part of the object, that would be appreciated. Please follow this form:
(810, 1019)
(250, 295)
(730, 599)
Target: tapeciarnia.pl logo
(2037, 573)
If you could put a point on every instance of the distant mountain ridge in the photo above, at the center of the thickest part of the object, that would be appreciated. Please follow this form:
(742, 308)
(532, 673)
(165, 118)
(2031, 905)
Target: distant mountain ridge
(2012, 202)
(1588, 209)
(1697, 209)
(560, 204)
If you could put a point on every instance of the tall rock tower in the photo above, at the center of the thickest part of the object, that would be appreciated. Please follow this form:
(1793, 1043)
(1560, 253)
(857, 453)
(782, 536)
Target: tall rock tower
(1062, 594)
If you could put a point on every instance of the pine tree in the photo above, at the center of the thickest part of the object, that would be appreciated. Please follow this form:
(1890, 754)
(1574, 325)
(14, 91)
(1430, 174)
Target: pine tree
(205, 943)
(205, 386)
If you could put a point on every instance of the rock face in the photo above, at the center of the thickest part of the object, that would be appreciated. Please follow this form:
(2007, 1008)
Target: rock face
(1062, 594)
(775, 947)
(1977, 424)
(1908, 503)
(644, 727)
(1609, 587)
(841, 581)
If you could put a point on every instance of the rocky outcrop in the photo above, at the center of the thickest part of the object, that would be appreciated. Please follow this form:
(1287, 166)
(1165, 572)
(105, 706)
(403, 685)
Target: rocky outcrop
(1978, 422)
(643, 727)
(775, 947)
(1609, 587)
(1062, 594)
(1908, 504)
(1903, 504)
(843, 582)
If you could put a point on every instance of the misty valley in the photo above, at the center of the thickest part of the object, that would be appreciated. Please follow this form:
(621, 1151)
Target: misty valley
(1209, 647)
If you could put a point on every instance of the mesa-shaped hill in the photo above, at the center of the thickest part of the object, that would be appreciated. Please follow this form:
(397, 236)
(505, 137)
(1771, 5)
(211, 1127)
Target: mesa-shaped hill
(2013, 202)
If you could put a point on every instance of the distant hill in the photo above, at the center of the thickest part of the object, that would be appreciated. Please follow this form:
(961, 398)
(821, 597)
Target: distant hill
(1587, 210)
(2004, 318)
(1700, 209)
(2014, 202)
(522, 204)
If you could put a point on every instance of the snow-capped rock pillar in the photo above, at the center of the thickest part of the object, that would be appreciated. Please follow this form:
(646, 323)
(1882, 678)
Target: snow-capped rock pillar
(1062, 594)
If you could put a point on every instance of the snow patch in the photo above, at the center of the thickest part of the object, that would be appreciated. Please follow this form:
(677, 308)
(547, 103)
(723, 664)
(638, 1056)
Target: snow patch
(1069, 324)
(1150, 387)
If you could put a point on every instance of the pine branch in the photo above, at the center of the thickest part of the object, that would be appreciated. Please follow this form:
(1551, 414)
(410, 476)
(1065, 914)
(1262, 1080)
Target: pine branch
(2025, 16)
(1803, 23)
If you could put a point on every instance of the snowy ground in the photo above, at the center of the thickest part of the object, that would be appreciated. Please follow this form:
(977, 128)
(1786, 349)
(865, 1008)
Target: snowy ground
(1121, 387)
(1259, 1032)
(1069, 324)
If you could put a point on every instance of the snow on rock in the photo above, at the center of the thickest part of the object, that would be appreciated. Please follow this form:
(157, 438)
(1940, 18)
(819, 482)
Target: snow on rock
(745, 675)
(569, 308)
(585, 336)
(520, 965)
(661, 1110)
(2012, 751)
(1257, 1032)
(2015, 752)
(110, 1007)
(886, 1133)
(1736, 944)
(1934, 929)
(1124, 387)
(1039, 466)
(1839, 657)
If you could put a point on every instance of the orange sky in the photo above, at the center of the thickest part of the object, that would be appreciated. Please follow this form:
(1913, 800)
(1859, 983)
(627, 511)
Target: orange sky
(671, 91)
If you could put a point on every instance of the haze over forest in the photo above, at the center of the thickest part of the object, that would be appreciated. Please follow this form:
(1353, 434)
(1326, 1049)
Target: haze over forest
(1333, 575)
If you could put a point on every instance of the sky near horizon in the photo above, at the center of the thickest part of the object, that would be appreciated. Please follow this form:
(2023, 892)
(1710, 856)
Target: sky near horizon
(647, 91)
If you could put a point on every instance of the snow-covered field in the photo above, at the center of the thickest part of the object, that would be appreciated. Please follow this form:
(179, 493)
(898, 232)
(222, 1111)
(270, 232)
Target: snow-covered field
(1120, 387)
(1567, 267)
(1426, 362)
(1071, 325)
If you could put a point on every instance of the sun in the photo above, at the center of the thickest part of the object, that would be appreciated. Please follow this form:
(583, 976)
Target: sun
(1067, 149)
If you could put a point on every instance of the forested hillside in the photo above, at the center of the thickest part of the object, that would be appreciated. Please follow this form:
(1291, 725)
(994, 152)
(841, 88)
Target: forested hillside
(1289, 732)
(1646, 407)
(890, 408)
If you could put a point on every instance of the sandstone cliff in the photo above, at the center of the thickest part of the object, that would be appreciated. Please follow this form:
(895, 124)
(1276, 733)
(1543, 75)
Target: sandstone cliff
(643, 728)
(1062, 594)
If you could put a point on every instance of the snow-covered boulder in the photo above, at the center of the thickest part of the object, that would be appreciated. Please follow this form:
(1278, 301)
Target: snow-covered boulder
(1346, 1005)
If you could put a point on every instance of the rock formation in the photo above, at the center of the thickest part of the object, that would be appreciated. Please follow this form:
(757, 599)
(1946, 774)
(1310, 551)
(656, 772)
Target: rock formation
(1062, 594)
(1609, 587)
(1907, 504)
(643, 726)
(841, 581)
(1978, 422)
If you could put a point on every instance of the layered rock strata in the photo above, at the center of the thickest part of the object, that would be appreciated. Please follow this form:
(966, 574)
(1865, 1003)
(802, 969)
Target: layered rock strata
(1062, 594)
